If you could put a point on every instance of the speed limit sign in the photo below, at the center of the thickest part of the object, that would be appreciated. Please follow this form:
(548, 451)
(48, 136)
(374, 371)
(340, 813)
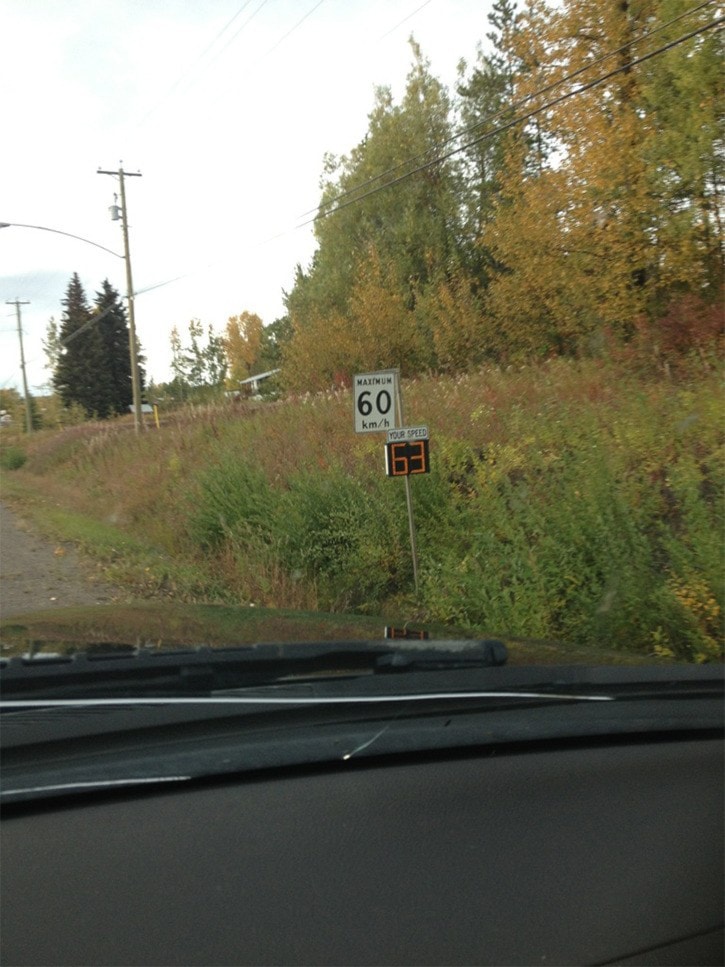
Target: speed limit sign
(374, 401)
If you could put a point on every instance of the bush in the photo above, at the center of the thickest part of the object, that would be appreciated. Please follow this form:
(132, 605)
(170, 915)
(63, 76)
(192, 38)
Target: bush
(12, 458)
(591, 544)
(348, 535)
(233, 498)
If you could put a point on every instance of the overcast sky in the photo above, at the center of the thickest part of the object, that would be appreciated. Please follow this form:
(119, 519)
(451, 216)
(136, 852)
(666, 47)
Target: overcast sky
(226, 107)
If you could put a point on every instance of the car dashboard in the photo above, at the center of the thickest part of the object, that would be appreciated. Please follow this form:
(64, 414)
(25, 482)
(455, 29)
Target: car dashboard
(587, 852)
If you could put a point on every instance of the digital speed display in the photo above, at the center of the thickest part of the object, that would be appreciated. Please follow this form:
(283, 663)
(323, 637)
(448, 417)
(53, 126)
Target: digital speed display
(406, 457)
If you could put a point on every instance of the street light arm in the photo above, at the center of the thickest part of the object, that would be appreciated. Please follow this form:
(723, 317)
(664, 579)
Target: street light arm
(57, 231)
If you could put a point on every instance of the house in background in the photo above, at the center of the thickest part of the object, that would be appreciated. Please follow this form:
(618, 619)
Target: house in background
(250, 387)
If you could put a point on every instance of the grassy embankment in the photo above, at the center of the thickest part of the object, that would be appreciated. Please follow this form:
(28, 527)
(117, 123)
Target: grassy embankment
(567, 501)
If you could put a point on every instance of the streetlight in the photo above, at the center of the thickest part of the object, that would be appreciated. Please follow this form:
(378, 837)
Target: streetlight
(57, 231)
(132, 329)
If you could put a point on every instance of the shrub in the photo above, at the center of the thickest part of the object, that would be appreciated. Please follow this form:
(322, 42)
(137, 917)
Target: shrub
(347, 535)
(233, 497)
(12, 458)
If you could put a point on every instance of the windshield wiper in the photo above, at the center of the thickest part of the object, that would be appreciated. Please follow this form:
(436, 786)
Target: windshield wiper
(204, 671)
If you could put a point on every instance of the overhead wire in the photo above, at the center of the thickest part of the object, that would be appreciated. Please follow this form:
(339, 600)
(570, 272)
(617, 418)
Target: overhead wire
(190, 70)
(237, 32)
(320, 213)
(292, 29)
(515, 121)
(404, 20)
(514, 106)
(229, 42)
(295, 26)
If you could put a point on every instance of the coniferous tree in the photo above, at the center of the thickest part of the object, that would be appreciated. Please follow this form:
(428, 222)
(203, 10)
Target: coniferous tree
(90, 352)
(486, 93)
(113, 327)
(80, 373)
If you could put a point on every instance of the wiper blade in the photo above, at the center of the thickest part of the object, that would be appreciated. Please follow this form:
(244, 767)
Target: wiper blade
(204, 671)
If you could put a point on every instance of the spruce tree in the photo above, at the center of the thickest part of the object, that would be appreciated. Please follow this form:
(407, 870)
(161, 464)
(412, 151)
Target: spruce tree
(91, 354)
(80, 375)
(113, 329)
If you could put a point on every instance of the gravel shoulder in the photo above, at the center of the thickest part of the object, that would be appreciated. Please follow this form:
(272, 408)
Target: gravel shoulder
(38, 574)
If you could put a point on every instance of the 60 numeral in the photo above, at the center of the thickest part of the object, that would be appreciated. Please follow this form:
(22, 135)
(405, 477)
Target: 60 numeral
(383, 402)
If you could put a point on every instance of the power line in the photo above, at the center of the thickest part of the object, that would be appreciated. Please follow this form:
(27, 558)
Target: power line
(512, 107)
(236, 34)
(189, 72)
(292, 29)
(515, 121)
(404, 20)
(81, 329)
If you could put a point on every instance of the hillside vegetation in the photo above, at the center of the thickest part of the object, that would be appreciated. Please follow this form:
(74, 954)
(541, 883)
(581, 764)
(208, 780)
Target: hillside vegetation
(568, 500)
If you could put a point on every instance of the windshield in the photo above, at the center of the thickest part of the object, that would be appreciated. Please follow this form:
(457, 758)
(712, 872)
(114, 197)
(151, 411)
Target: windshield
(396, 323)
(362, 471)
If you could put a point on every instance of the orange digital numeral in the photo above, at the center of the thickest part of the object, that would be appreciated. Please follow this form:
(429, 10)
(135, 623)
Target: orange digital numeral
(399, 461)
(416, 460)
(407, 457)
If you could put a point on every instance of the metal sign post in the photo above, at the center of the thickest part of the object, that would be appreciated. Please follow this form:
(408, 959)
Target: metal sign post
(408, 498)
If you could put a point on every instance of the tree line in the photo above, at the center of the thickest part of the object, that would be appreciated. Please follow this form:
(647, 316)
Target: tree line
(564, 199)
(584, 214)
(89, 354)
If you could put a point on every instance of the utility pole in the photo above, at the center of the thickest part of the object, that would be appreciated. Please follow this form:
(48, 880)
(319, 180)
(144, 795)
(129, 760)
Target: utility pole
(133, 346)
(28, 412)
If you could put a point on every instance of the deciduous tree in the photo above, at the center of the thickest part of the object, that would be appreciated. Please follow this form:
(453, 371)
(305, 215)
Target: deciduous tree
(243, 346)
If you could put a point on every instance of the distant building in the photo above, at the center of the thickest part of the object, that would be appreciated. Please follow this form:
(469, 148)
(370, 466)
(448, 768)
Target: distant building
(250, 386)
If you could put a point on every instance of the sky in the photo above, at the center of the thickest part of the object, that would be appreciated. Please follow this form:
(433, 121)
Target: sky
(226, 108)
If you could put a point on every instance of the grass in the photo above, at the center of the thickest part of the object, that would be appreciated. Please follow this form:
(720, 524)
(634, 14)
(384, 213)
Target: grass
(568, 501)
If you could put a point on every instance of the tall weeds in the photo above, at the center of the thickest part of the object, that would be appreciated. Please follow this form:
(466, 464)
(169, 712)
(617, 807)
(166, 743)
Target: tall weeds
(566, 500)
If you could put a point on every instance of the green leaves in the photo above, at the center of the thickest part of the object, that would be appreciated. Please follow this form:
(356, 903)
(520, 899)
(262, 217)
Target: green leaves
(200, 364)
(590, 217)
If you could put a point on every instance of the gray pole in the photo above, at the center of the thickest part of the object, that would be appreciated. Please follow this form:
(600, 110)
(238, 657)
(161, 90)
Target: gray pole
(28, 412)
(408, 496)
(133, 347)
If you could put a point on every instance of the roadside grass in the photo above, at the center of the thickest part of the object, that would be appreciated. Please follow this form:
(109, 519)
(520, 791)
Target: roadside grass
(127, 561)
(567, 501)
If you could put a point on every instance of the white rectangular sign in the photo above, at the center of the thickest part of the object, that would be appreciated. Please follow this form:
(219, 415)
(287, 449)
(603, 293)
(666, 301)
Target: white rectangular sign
(374, 401)
(405, 433)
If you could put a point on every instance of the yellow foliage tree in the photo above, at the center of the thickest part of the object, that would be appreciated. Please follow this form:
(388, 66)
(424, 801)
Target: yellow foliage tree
(378, 331)
(578, 229)
(242, 345)
(450, 310)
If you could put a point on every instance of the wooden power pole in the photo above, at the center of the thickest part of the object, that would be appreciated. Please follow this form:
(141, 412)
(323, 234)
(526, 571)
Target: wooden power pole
(133, 345)
(28, 411)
